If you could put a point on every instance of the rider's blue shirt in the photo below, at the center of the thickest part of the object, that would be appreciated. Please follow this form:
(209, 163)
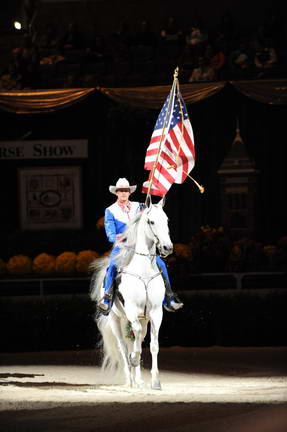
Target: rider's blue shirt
(116, 218)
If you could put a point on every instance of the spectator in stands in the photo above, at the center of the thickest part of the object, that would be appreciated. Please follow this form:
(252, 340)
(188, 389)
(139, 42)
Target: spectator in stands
(47, 38)
(203, 72)
(196, 39)
(265, 60)
(72, 38)
(10, 77)
(196, 35)
(172, 34)
(240, 59)
(119, 44)
(216, 58)
(145, 41)
(98, 57)
(23, 65)
(195, 42)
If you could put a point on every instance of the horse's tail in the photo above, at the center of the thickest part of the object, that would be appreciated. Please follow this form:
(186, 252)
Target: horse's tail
(98, 267)
(112, 360)
(111, 356)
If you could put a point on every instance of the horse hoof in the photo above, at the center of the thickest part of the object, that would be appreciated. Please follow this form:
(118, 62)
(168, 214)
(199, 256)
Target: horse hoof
(140, 384)
(156, 385)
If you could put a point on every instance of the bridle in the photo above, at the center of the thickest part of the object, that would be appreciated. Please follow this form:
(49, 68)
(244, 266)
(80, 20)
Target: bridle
(155, 240)
(155, 237)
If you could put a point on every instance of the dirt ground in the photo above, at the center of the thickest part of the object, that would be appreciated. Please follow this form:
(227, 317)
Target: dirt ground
(212, 389)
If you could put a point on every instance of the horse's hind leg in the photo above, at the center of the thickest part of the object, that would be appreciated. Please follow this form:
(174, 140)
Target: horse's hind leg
(137, 369)
(155, 322)
(116, 329)
(135, 355)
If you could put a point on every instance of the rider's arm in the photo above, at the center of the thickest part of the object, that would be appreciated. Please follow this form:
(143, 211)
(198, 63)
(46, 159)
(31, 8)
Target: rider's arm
(110, 226)
(142, 206)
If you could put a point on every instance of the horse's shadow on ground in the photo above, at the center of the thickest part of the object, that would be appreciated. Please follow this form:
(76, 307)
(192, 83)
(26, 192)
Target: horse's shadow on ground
(5, 380)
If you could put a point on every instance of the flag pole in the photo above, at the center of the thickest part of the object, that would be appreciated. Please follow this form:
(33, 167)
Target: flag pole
(175, 75)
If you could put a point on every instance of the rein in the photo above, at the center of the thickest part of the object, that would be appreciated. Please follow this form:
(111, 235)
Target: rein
(142, 254)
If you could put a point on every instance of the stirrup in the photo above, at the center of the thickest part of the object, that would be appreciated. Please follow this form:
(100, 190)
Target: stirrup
(104, 308)
(172, 305)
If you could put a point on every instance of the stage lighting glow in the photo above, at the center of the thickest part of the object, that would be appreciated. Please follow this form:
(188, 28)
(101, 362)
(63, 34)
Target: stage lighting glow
(17, 25)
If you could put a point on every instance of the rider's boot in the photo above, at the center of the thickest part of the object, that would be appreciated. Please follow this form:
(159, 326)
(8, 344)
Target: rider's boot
(105, 303)
(171, 301)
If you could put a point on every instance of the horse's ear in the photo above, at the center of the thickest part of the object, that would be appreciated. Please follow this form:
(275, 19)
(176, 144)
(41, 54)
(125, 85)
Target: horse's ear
(148, 202)
(162, 201)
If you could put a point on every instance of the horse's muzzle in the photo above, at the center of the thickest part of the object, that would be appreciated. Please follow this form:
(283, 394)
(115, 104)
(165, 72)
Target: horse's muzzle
(166, 250)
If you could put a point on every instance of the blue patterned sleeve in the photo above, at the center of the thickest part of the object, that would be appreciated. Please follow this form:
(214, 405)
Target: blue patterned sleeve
(110, 226)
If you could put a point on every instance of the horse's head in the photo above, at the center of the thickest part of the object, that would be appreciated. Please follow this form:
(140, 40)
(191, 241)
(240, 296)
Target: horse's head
(157, 228)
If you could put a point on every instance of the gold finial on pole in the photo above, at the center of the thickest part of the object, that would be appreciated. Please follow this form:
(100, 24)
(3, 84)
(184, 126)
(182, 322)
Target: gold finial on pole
(175, 74)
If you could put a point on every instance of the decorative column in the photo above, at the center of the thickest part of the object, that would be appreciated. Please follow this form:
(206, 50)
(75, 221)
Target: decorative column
(238, 184)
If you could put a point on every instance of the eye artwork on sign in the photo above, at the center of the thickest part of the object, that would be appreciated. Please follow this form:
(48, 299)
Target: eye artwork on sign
(50, 198)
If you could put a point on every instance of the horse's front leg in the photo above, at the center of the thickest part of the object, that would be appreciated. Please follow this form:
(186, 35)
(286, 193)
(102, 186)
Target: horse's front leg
(155, 323)
(135, 351)
(139, 382)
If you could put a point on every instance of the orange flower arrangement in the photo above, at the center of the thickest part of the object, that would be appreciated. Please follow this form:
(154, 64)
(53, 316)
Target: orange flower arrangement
(84, 259)
(19, 264)
(66, 262)
(44, 263)
(100, 223)
(270, 250)
(182, 250)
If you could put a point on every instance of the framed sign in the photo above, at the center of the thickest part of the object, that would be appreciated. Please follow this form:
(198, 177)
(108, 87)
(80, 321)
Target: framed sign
(50, 198)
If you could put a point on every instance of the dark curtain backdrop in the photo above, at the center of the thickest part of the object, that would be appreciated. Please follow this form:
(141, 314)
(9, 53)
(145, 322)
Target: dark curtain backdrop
(118, 136)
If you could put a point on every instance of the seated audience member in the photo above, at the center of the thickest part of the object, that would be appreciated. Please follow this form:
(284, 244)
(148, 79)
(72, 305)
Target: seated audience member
(215, 56)
(240, 58)
(195, 40)
(203, 72)
(73, 38)
(145, 41)
(171, 34)
(265, 59)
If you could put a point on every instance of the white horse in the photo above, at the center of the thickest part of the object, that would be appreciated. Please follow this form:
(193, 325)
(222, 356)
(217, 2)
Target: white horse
(139, 297)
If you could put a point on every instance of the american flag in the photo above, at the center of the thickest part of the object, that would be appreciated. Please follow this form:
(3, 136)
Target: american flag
(170, 155)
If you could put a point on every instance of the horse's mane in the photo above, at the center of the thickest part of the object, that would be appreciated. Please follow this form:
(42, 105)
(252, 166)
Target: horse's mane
(127, 245)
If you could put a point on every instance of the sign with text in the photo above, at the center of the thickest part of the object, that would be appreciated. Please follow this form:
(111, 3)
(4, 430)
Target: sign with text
(44, 149)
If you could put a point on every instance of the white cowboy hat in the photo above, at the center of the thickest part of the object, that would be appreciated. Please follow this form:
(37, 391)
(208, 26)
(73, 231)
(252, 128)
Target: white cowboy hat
(122, 183)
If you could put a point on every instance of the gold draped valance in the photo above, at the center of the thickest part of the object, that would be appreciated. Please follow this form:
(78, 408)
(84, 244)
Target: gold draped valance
(41, 101)
(272, 92)
(153, 97)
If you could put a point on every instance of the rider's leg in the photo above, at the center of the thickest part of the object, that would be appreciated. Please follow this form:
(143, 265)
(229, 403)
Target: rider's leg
(106, 302)
(109, 283)
(171, 302)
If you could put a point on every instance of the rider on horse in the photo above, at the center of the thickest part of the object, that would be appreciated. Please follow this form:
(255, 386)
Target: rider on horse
(116, 218)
